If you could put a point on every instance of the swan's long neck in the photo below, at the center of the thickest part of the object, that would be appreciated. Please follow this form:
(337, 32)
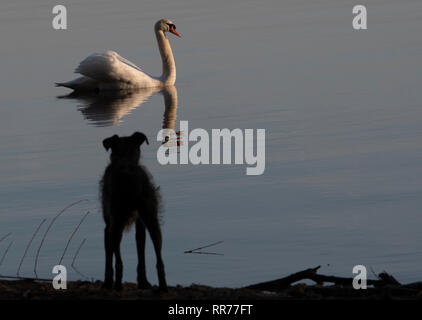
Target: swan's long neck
(170, 102)
(169, 67)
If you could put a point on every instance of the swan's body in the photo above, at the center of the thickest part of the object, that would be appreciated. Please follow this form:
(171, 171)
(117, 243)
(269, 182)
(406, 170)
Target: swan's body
(110, 71)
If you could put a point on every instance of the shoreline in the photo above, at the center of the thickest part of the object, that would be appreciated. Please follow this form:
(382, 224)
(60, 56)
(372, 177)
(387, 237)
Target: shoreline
(386, 287)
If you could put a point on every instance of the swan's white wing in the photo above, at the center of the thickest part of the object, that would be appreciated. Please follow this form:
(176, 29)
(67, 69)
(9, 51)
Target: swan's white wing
(123, 60)
(111, 67)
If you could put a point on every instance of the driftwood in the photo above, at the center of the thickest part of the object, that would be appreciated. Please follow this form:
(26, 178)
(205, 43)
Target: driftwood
(388, 279)
(311, 274)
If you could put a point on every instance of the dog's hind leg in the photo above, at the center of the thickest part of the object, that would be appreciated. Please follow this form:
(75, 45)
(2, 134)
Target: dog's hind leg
(153, 226)
(108, 281)
(140, 246)
(116, 235)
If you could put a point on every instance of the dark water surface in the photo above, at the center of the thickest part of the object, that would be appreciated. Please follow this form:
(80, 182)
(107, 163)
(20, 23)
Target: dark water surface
(341, 108)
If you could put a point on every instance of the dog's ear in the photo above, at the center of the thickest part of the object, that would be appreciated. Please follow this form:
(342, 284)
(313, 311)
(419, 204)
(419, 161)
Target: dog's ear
(139, 138)
(110, 142)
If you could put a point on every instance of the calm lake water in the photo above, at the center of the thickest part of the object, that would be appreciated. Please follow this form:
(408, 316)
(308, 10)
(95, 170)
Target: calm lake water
(341, 108)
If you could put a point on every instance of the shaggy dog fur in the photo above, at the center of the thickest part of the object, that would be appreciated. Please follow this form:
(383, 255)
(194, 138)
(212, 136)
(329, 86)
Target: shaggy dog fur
(129, 196)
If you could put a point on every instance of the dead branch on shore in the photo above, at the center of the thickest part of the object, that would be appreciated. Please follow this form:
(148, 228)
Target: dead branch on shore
(311, 274)
(388, 279)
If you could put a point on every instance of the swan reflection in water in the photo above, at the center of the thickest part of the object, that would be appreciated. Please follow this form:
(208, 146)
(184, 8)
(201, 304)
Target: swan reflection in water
(107, 108)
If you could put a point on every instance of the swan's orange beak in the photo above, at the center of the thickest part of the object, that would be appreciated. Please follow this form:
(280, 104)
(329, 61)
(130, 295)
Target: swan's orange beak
(174, 31)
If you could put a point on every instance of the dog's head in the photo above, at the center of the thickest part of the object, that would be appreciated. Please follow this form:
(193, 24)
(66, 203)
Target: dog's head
(125, 149)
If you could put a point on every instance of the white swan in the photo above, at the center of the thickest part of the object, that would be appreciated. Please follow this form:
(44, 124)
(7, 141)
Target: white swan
(110, 71)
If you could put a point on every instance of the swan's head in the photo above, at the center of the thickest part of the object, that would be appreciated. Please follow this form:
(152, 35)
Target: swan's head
(167, 25)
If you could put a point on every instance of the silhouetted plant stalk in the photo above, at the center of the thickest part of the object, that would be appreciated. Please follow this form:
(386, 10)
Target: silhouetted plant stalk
(5, 252)
(5, 236)
(48, 229)
(74, 259)
(71, 236)
(29, 244)
(207, 246)
(24, 278)
(212, 253)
